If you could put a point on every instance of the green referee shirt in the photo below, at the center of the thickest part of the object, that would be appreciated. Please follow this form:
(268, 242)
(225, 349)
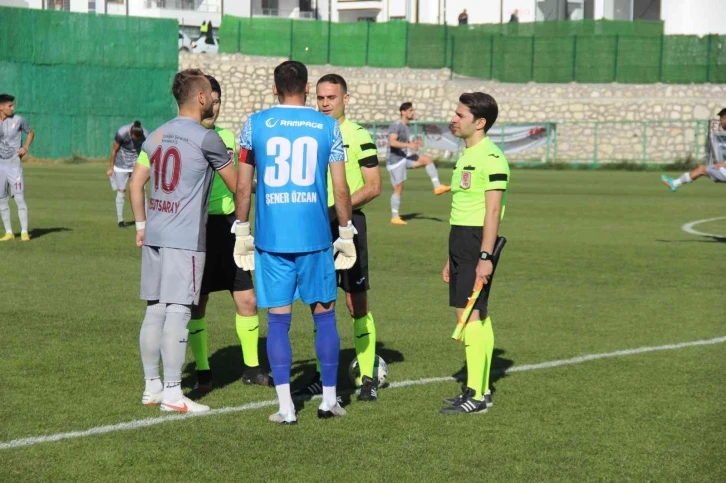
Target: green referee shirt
(480, 168)
(221, 200)
(360, 153)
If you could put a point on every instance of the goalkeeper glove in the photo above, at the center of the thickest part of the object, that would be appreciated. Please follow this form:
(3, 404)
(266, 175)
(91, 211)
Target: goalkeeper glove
(344, 247)
(244, 246)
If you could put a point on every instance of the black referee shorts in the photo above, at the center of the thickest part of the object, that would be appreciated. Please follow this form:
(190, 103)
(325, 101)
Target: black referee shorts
(464, 250)
(220, 271)
(355, 280)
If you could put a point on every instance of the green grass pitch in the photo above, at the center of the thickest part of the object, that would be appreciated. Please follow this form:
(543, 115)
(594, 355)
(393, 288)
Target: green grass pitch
(596, 262)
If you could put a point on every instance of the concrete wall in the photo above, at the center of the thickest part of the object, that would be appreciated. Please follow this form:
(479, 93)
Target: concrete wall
(376, 94)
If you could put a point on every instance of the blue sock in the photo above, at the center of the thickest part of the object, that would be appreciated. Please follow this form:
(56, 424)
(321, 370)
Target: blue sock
(279, 350)
(327, 346)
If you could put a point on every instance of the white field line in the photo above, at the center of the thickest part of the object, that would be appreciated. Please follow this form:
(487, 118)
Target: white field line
(142, 423)
(688, 227)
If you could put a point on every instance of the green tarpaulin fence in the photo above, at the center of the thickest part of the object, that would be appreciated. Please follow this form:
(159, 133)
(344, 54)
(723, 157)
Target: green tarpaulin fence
(77, 78)
(590, 51)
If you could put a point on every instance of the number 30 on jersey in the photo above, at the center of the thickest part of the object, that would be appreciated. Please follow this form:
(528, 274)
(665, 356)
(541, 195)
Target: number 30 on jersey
(296, 161)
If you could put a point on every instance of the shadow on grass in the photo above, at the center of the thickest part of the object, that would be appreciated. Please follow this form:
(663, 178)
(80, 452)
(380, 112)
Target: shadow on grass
(39, 232)
(709, 239)
(498, 371)
(419, 216)
(227, 368)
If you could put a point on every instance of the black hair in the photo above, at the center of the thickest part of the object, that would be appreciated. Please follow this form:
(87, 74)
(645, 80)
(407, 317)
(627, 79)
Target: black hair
(721, 113)
(291, 77)
(405, 107)
(335, 79)
(215, 85)
(482, 106)
(137, 131)
(4, 98)
(186, 83)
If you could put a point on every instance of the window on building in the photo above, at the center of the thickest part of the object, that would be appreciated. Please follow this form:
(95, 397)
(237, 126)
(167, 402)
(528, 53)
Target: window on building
(646, 10)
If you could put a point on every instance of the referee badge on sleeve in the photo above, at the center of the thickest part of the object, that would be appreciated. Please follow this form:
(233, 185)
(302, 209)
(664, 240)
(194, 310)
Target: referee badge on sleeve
(465, 182)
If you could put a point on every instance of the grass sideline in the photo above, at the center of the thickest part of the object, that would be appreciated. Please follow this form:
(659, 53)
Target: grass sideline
(596, 262)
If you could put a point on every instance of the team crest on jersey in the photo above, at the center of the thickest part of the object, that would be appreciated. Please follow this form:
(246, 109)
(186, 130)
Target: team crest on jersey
(465, 182)
(231, 155)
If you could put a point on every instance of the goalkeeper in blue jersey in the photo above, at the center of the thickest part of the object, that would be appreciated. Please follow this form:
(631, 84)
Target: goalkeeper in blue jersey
(291, 146)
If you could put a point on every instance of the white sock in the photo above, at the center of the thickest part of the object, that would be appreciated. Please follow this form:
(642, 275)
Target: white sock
(154, 385)
(683, 179)
(150, 341)
(22, 212)
(330, 398)
(287, 408)
(120, 206)
(395, 205)
(433, 174)
(5, 212)
(174, 348)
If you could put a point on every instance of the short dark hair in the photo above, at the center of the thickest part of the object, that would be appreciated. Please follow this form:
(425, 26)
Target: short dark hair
(215, 85)
(4, 98)
(721, 113)
(291, 77)
(334, 79)
(482, 106)
(405, 107)
(185, 83)
(137, 131)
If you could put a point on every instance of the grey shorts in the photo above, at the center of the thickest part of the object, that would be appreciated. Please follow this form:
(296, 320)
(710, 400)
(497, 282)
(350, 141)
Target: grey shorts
(171, 275)
(716, 174)
(119, 179)
(11, 175)
(397, 171)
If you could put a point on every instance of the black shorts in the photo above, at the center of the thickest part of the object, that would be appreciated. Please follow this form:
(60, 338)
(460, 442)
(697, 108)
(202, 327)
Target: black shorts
(355, 280)
(464, 250)
(220, 271)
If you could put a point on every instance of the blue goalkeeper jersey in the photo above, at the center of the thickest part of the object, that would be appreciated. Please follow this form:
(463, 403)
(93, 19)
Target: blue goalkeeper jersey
(292, 147)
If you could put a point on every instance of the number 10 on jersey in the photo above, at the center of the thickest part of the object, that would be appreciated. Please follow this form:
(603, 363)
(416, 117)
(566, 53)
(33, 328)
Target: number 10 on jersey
(296, 161)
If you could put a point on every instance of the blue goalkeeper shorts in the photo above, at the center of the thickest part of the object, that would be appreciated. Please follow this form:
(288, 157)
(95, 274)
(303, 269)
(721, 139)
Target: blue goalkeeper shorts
(282, 278)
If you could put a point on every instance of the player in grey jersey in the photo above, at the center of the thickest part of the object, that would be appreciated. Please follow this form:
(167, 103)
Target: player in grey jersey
(716, 167)
(126, 148)
(398, 160)
(182, 158)
(12, 128)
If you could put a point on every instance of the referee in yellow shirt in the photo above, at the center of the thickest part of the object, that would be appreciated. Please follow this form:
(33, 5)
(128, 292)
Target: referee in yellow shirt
(364, 182)
(479, 186)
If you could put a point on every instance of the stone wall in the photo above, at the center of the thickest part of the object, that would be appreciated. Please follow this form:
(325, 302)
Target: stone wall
(664, 122)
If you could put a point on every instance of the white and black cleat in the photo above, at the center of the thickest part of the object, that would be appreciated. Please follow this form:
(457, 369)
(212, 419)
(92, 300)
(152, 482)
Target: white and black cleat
(335, 411)
(466, 405)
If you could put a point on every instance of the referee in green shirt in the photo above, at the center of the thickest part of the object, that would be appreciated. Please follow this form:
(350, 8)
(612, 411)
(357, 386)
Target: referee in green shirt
(221, 273)
(364, 181)
(479, 186)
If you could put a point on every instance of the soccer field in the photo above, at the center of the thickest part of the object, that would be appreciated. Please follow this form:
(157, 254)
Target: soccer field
(596, 263)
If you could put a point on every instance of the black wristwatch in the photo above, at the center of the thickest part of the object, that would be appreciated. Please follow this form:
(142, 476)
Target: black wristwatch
(485, 256)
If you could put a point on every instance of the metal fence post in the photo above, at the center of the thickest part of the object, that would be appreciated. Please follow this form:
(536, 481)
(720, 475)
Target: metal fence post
(405, 59)
(644, 137)
(660, 61)
(239, 36)
(708, 58)
(615, 67)
(491, 57)
(368, 39)
(329, 35)
(574, 58)
(531, 64)
(594, 150)
(451, 58)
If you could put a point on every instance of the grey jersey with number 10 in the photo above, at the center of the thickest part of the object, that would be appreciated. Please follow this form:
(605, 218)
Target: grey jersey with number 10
(183, 156)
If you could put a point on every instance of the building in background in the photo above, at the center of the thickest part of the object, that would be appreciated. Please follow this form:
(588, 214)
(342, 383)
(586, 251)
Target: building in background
(692, 17)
